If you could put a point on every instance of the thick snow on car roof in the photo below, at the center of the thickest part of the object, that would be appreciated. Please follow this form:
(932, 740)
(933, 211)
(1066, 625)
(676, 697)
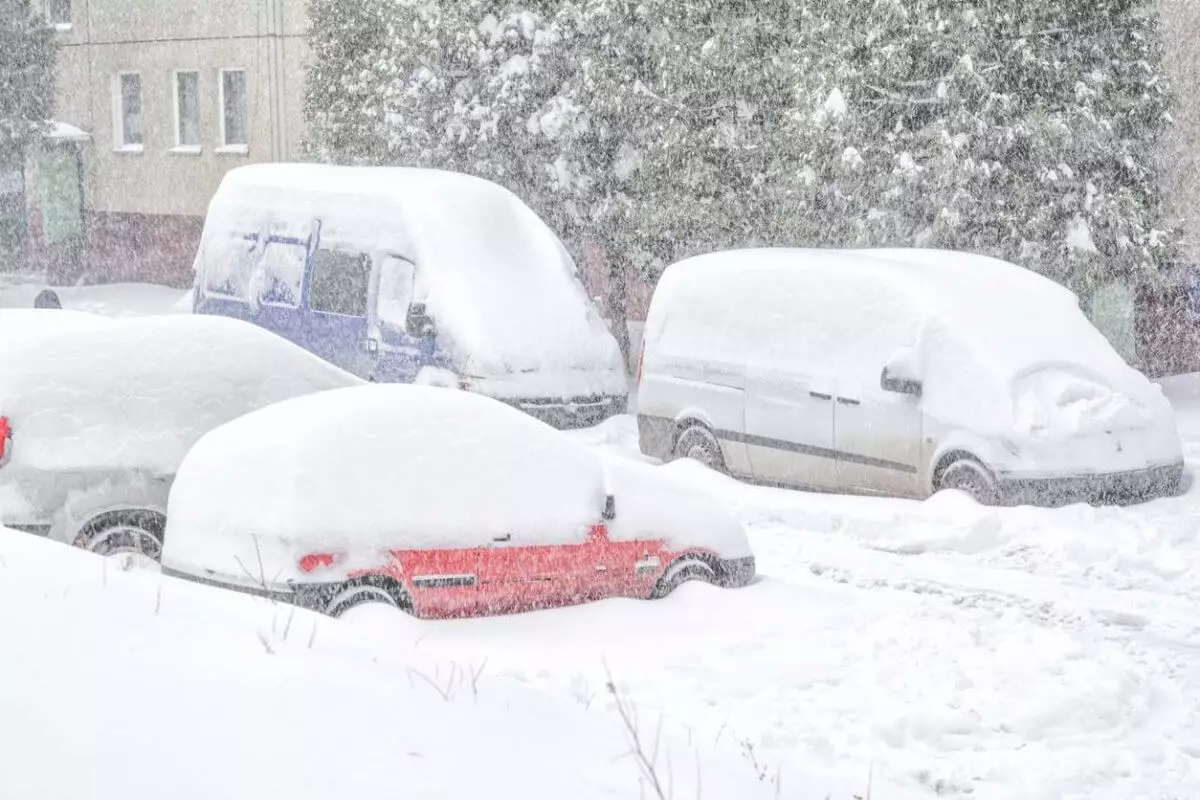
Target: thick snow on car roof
(379, 467)
(499, 281)
(136, 393)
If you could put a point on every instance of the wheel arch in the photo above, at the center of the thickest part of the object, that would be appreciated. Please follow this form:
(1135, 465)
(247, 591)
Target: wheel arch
(148, 518)
(393, 586)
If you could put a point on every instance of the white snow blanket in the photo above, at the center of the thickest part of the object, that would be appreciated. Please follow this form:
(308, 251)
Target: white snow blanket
(653, 502)
(19, 323)
(137, 393)
(128, 685)
(499, 283)
(379, 467)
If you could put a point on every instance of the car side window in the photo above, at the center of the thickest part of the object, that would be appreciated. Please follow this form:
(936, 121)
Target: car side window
(282, 272)
(341, 282)
(397, 277)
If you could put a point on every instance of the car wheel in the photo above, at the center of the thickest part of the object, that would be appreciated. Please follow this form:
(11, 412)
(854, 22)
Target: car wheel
(688, 568)
(133, 539)
(361, 594)
(969, 476)
(698, 443)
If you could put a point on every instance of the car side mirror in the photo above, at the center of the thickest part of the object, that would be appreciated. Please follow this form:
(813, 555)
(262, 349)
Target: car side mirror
(890, 382)
(610, 509)
(418, 324)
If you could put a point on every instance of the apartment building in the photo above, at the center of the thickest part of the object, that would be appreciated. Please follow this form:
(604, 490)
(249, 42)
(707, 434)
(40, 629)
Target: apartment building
(174, 93)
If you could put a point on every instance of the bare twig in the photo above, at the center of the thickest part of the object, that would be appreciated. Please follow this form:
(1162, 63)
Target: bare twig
(446, 693)
(637, 749)
(158, 600)
(288, 627)
(475, 673)
(312, 637)
(266, 644)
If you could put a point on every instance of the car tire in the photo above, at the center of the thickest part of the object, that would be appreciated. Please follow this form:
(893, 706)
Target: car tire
(698, 443)
(134, 538)
(688, 568)
(362, 593)
(970, 477)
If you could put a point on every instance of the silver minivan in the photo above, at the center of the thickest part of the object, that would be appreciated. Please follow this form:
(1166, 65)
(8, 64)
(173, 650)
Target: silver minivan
(897, 372)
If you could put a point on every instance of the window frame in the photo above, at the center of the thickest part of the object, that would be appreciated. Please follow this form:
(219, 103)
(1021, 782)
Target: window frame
(56, 22)
(223, 143)
(120, 144)
(181, 147)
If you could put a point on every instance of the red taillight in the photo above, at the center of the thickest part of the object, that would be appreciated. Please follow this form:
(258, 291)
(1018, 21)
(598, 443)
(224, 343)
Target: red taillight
(314, 561)
(5, 439)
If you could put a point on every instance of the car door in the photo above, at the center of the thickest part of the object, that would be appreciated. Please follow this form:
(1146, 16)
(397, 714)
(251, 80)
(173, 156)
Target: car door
(401, 356)
(790, 428)
(516, 574)
(443, 582)
(878, 438)
(336, 318)
(277, 286)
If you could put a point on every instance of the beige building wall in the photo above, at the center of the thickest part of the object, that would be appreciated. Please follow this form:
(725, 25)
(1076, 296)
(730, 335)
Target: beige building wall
(146, 205)
(154, 39)
(1181, 151)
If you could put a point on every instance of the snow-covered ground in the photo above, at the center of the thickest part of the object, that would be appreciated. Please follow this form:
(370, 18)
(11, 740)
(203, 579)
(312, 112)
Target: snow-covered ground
(128, 685)
(890, 648)
(112, 300)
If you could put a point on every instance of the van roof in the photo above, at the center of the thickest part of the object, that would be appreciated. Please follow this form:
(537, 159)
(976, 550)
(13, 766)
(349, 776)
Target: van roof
(396, 183)
(925, 274)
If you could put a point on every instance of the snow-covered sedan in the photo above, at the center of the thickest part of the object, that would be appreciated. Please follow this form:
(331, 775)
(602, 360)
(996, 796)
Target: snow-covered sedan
(440, 502)
(96, 414)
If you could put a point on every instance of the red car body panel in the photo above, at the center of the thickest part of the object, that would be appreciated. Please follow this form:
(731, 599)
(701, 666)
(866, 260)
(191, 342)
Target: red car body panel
(508, 576)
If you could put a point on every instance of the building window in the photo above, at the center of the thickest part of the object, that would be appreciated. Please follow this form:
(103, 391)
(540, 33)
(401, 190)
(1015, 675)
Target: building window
(127, 107)
(59, 13)
(187, 111)
(234, 128)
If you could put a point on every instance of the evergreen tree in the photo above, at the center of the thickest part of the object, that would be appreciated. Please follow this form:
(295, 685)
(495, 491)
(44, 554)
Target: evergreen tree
(662, 129)
(27, 58)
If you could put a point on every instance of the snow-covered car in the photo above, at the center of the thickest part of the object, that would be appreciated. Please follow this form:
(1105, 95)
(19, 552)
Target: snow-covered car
(443, 503)
(897, 372)
(96, 415)
(403, 275)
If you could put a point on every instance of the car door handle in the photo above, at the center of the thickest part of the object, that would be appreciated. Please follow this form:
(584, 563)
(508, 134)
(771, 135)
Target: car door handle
(848, 401)
(505, 538)
(820, 395)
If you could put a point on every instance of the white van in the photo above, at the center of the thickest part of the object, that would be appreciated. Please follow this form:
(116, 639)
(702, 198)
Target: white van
(897, 372)
(408, 275)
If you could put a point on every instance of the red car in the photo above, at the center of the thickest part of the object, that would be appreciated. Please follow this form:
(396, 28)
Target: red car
(441, 502)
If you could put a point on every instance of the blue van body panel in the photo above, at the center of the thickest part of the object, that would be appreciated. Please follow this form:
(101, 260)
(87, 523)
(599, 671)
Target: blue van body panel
(340, 339)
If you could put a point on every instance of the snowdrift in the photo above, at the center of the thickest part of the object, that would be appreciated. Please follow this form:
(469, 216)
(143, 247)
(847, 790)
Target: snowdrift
(135, 686)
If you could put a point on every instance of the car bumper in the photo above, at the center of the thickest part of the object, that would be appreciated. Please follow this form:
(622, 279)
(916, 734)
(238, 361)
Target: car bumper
(733, 573)
(573, 413)
(315, 596)
(1114, 488)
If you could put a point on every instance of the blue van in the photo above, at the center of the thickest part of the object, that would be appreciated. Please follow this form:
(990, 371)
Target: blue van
(412, 276)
